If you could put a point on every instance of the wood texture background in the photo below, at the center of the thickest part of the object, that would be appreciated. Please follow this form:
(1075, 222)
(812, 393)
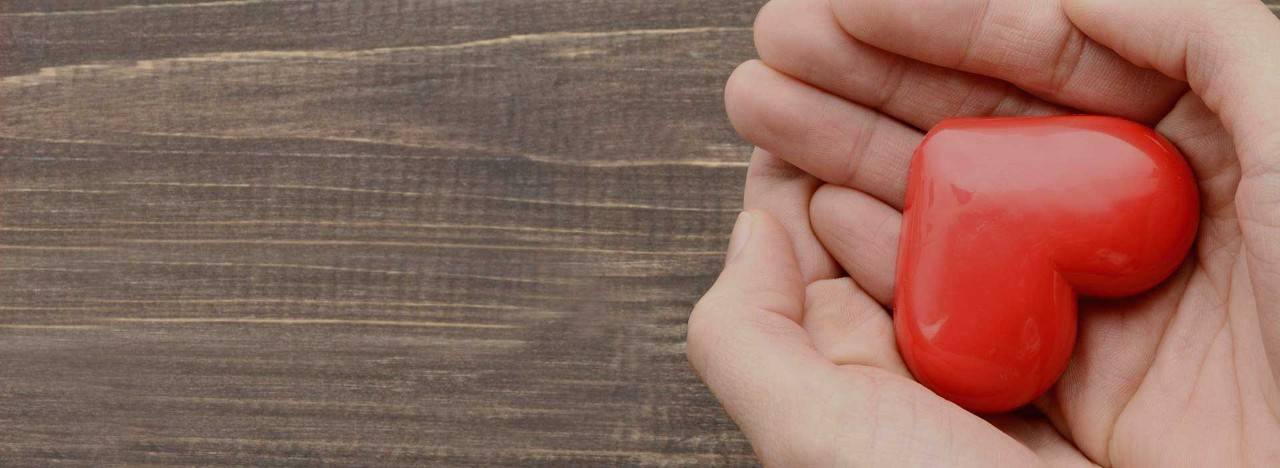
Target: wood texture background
(431, 232)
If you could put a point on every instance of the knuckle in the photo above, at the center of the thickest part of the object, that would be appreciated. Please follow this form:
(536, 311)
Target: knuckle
(1066, 61)
(774, 301)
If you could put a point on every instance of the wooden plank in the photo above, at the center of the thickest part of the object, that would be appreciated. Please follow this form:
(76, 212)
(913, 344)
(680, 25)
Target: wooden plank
(414, 232)
(431, 232)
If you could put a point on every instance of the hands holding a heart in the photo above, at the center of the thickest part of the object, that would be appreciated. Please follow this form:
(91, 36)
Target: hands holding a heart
(795, 340)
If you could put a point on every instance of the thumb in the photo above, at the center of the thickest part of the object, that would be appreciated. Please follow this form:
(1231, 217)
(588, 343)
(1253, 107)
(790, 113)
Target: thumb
(757, 302)
(1227, 51)
(745, 339)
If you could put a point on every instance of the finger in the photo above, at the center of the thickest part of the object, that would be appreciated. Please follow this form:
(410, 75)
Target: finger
(1225, 50)
(1029, 43)
(1198, 134)
(1038, 435)
(850, 328)
(1227, 53)
(744, 335)
(801, 38)
(783, 191)
(862, 235)
(829, 137)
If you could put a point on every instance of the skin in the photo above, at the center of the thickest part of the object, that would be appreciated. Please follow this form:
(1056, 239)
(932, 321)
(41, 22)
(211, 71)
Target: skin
(794, 338)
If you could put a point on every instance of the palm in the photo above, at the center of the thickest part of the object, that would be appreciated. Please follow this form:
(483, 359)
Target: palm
(1179, 375)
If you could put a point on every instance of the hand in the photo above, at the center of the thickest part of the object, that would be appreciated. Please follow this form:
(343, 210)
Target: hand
(804, 358)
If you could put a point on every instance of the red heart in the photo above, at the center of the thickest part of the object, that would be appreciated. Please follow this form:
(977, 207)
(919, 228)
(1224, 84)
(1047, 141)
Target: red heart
(1006, 220)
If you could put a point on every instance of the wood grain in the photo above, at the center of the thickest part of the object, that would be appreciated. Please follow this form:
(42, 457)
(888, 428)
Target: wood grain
(426, 233)
(419, 232)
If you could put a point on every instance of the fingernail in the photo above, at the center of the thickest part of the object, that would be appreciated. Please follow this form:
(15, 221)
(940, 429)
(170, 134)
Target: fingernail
(741, 233)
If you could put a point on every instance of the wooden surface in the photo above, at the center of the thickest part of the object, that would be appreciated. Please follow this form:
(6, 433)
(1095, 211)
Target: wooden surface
(419, 232)
(431, 232)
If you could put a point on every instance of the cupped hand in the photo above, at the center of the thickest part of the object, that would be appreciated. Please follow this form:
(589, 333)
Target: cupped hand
(794, 338)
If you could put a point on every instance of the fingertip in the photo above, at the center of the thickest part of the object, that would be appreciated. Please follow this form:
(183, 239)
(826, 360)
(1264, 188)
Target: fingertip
(796, 34)
(862, 235)
(770, 22)
(826, 193)
(829, 199)
(738, 98)
(826, 200)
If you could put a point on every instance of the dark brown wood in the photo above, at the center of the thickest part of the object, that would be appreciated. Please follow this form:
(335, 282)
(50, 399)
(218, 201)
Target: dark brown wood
(421, 232)
(368, 232)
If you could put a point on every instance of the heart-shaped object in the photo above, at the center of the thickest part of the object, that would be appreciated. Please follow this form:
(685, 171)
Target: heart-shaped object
(1006, 221)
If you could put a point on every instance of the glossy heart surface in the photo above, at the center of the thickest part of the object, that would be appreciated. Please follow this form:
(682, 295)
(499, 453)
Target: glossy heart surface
(1006, 221)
